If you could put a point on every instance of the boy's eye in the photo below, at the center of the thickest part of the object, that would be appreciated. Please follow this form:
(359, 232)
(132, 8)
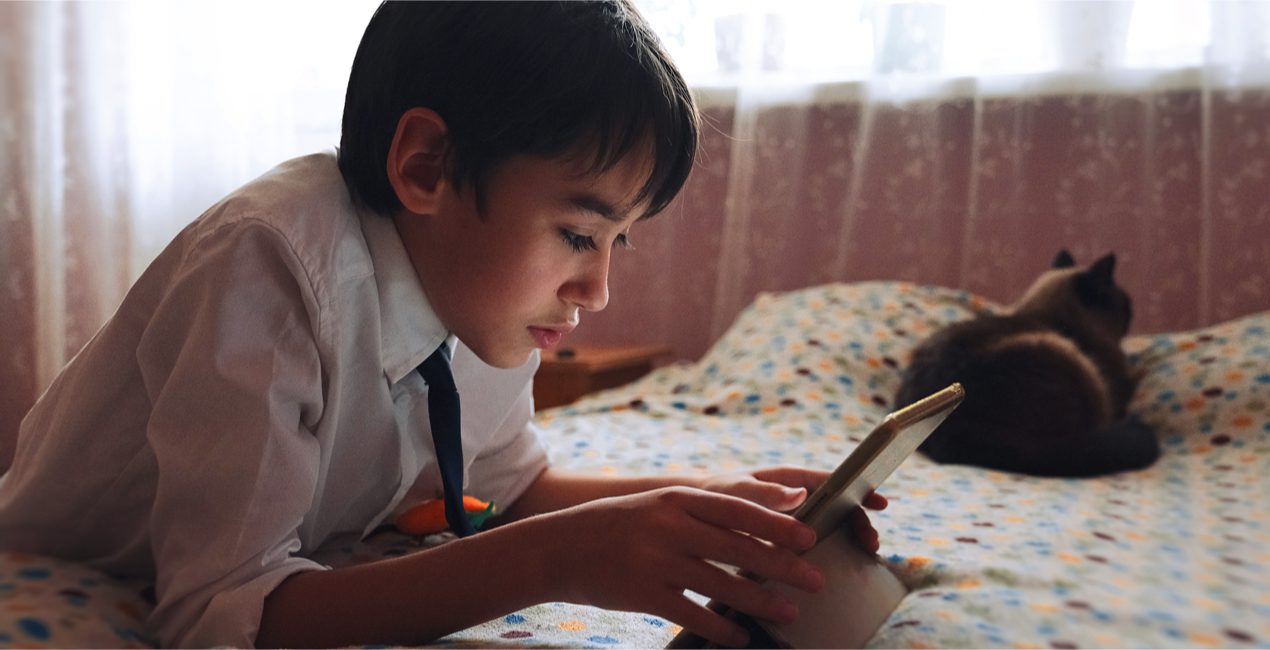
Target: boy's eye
(577, 242)
(581, 243)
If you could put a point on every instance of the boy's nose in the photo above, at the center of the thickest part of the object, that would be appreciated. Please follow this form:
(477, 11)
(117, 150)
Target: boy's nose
(589, 290)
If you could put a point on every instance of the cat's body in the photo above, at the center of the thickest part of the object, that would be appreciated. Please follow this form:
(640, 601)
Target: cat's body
(1047, 384)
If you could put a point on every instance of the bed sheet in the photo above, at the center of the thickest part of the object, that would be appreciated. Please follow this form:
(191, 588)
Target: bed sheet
(1173, 556)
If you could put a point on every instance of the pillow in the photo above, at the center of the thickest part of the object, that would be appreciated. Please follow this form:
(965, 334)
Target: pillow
(1209, 389)
(807, 362)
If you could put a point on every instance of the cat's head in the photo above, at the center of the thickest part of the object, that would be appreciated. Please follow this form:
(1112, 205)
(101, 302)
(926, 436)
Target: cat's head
(1087, 294)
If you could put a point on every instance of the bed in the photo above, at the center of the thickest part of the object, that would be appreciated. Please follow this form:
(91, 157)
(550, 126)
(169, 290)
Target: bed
(1177, 555)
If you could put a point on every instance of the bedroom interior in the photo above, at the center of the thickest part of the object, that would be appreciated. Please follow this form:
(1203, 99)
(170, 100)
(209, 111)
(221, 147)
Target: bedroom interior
(839, 212)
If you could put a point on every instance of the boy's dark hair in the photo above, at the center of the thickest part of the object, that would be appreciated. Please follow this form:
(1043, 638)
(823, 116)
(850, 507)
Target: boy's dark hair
(511, 78)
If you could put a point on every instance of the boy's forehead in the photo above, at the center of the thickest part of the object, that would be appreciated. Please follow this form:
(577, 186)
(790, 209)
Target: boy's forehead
(587, 159)
(618, 184)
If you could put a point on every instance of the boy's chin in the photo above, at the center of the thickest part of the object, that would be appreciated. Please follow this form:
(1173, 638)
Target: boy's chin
(506, 358)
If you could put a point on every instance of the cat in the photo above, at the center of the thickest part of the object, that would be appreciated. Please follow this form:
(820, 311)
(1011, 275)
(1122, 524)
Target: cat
(1047, 383)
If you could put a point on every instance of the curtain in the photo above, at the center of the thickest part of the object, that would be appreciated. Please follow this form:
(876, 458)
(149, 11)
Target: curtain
(955, 143)
(120, 123)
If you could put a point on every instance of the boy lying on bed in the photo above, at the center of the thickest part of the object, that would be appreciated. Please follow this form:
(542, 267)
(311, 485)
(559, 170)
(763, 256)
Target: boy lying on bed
(267, 384)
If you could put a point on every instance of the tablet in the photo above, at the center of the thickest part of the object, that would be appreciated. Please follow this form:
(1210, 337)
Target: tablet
(865, 468)
(894, 439)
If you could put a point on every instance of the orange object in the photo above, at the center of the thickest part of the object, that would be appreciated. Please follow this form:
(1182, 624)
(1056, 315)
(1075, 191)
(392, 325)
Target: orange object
(428, 517)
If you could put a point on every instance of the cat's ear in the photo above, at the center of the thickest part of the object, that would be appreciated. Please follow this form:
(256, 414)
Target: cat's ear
(1104, 267)
(1064, 260)
(1095, 285)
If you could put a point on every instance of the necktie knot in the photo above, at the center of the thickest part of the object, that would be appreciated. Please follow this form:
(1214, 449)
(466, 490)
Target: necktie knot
(436, 371)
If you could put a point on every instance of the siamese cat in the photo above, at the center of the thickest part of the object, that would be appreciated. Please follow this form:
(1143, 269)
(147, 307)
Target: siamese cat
(1047, 383)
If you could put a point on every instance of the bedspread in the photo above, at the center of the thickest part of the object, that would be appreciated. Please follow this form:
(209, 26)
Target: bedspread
(1177, 555)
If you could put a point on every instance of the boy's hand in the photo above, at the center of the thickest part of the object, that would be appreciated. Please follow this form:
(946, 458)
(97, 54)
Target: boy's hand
(641, 552)
(785, 488)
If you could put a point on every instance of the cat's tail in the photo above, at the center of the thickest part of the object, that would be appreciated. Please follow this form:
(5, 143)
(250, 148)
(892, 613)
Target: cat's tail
(1127, 445)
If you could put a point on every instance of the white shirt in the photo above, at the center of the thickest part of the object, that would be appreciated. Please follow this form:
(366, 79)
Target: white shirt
(255, 396)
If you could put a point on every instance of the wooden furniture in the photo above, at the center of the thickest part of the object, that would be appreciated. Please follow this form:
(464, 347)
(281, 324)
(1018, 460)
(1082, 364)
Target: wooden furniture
(570, 372)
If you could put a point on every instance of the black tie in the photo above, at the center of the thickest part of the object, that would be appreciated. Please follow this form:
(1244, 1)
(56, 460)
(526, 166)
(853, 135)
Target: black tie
(443, 415)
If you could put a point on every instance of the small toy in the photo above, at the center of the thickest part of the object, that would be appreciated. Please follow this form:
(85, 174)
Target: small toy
(428, 517)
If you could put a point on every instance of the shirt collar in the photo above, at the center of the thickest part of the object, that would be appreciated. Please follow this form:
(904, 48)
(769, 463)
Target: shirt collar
(409, 329)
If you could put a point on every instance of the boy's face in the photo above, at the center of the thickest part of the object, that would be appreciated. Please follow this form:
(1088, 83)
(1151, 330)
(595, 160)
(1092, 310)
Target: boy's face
(518, 278)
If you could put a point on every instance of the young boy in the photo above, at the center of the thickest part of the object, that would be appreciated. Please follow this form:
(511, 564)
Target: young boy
(256, 395)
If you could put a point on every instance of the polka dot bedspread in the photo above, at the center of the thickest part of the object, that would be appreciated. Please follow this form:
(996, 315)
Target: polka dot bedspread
(1177, 555)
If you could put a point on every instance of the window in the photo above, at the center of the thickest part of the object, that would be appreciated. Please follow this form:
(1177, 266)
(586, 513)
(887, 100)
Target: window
(720, 42)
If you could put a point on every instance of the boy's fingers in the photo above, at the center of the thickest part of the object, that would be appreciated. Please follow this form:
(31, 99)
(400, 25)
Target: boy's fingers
(733, 513)
(795, 477)
(772, 495)
(875, 501)
(756, 557)
(863, 531)
(739, 593)
(704, 622)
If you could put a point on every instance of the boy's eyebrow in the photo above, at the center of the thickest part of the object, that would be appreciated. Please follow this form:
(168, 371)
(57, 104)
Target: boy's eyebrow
(593, 203)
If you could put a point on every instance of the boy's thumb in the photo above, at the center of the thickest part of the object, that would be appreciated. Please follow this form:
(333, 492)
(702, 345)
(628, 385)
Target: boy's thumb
(796, 494)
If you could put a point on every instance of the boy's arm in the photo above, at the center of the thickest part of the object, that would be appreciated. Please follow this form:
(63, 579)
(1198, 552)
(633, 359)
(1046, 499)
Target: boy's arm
(556, 489)
(230, 366)
(411, 599)
(633, 553)
(426, 595)
(776, 488)
(779, 488)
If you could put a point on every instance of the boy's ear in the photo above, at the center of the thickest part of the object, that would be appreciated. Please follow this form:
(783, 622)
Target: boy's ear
(416, 160)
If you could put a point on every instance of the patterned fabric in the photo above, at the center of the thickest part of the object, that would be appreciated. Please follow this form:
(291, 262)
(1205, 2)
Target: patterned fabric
(45, 602)
(1177, 555)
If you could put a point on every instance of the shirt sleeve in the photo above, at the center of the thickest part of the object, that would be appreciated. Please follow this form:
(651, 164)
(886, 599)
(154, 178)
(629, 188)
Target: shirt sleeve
(515, 456)
(230, 362)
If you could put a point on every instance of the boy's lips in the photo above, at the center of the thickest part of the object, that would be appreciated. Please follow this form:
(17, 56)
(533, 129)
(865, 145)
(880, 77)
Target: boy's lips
(546, 337)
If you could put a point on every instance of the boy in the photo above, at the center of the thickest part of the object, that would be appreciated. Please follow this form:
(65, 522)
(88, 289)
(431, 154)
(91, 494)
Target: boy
(264, 387)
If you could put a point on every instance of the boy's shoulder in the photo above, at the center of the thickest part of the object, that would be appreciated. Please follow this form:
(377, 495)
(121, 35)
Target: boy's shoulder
(305, 204)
